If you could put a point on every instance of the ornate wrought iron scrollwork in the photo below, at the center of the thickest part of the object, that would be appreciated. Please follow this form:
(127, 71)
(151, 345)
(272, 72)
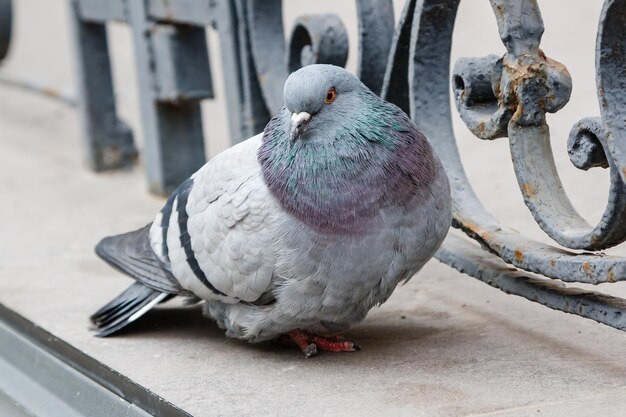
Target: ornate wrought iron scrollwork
(315, 39)
(517, 90)
(509, 96)
(525, 84)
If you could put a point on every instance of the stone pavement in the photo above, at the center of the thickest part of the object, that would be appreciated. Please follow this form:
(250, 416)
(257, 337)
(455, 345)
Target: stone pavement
(443, 345)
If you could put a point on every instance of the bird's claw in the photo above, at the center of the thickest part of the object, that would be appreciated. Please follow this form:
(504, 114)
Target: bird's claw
(310, 350)
(311, 344)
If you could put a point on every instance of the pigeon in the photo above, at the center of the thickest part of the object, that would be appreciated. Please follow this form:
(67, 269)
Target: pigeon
(296, 233)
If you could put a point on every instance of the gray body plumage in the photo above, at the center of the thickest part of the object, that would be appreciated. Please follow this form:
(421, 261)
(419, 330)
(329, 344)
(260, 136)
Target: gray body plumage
(276, 234)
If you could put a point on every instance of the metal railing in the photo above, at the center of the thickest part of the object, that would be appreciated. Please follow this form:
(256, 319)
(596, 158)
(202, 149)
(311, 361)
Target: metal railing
(5, 26)
(496, 97)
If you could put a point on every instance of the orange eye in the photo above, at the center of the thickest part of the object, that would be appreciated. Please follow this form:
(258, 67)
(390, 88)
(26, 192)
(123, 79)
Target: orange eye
(331, 95)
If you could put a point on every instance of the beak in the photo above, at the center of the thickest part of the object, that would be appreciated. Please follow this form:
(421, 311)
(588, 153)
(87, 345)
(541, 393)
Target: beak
(298, 121)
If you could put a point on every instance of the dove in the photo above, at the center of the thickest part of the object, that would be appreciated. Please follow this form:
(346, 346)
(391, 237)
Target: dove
(298, 232)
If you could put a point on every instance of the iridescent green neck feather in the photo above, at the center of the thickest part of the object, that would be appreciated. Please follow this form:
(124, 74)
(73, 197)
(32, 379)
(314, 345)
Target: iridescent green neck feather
(354, 159)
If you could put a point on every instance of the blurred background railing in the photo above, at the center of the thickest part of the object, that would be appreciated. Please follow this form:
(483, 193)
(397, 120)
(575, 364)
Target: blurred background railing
(173, 72)
(6, 12)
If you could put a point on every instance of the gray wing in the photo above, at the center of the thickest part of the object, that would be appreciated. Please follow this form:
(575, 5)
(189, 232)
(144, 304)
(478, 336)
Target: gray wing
(131, 254)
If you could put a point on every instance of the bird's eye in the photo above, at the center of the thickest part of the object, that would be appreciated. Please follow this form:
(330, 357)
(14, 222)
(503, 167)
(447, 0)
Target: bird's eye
(330, 95)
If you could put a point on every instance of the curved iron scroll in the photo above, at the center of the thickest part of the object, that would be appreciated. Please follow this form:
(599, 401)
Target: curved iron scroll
(508, 96)
(316, 39)
(526, 75)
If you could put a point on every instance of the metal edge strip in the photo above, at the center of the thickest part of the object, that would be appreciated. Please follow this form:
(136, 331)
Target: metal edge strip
(104, 376)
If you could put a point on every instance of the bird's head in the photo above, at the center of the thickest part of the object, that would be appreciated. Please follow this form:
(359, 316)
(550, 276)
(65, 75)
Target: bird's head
(317, 97)
(337, 153)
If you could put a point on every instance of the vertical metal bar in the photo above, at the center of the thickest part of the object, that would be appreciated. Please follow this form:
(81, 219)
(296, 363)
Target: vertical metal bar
(6, 15)
(227, 25)
(255, 111)
(107, 141)
(174, 142)
(395, 87)
(375, 18)
(267, 49)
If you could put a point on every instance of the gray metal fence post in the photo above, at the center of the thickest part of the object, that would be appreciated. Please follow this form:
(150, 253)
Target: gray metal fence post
(173, 75)
(6, 14)
(108, 142)
(225, 22)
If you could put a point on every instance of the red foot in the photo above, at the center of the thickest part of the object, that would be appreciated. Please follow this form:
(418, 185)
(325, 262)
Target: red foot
(310, 343)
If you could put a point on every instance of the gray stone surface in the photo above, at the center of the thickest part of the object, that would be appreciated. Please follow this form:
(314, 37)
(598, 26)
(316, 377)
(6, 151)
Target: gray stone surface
(444, 344)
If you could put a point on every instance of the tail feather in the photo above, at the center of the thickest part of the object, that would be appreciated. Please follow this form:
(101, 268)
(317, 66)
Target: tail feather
(132, 254)
(127, 307)
(128, 296)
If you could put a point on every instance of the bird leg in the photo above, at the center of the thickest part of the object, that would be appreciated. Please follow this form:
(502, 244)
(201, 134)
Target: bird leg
(309, 343)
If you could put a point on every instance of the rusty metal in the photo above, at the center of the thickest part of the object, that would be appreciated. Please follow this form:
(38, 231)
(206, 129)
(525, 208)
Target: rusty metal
(496, 97)
(472, 260)
(508, 97)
